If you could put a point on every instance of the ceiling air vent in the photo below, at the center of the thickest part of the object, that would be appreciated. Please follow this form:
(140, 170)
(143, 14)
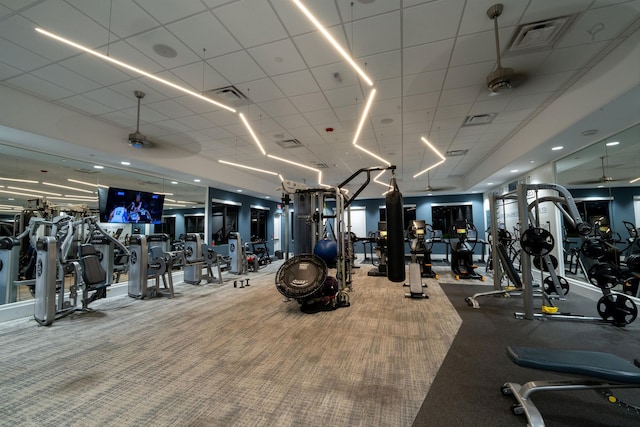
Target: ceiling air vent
(541, 35)
(479, 119)
(320, 165)
(289, 143)
(454, 153)
(229, 95)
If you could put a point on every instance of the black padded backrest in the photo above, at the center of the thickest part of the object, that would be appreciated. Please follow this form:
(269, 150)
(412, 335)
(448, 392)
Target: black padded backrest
(92, 271)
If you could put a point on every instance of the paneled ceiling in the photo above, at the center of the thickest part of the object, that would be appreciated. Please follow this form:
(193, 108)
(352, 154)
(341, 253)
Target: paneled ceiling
(429, 61)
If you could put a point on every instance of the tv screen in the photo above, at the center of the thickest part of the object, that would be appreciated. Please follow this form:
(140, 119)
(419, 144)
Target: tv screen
(131, 206)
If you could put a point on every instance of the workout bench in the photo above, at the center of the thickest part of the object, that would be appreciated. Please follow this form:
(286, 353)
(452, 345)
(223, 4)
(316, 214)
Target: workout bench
(595, 370)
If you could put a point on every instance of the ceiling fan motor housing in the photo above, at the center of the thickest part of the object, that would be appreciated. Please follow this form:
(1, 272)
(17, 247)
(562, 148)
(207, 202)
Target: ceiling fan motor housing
(499, 79)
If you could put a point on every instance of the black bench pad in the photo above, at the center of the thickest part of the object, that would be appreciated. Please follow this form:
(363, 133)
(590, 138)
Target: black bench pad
(603, 366)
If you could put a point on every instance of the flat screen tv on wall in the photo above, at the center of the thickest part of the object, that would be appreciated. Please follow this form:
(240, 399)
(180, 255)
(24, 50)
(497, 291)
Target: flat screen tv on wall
(124, 206)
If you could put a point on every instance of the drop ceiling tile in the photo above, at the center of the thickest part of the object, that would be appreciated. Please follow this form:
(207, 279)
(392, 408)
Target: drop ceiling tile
(147, 115)
(126, 53)
(297, 23)
(383, 66)
(7, 71)
(541, 10)
(21, 31)
(292, 121)
(430, 22)
(376, 34)
(573, 58)
(447, 124)
(171, 127)
(453, 111)
(514, 116)
(192, 77)
(278, 107)
(99, 71)
(310, 102)
(278, 57)
(479, 47)
(545, 83)
(424, 82)
(196, 105)
(39, 87)
(386, 107)
(316, 50)
(65, 78)
(296, 83)
(527, 101)
(55, 16)
(146, 41)
(427, 56)
(4, 11)
(350, 95)
(459, 96)
(111, 98)
(237, 67)
(467, 75)
(204, 31)
(85, 105)
(362, 10)
(321, 117)
(475, 19)
(221, 117)
(170, 11)
(242, 19)
(120, 119)
(421, 101)
(346, 114)
(261, 90)
(127, 18)
(170, 108)
(388, 89)
(326, 75)
(197, 122)
(20, 57)
(490, 104)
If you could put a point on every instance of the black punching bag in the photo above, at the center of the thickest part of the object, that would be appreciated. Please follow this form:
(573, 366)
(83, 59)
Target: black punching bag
(395, 234)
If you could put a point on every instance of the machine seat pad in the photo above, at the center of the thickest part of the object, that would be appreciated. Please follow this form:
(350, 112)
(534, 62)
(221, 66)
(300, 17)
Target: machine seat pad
(92, 272)
(603, 366)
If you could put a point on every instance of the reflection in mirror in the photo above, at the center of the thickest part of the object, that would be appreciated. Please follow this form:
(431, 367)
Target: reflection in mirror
(42, 186)
(604, 179)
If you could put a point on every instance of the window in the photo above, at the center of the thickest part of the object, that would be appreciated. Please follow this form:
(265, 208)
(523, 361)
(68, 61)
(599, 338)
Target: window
(194, 224)
(444, 217)
(224, 220)
(259, 224)
(168, 226)
(409, 214)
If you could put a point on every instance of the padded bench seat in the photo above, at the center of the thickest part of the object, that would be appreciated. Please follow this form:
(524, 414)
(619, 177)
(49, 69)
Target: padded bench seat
(592, 364)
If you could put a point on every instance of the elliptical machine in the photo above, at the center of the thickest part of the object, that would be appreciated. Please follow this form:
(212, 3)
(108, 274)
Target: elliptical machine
(421, 244)
(462, 251)
(381, 251)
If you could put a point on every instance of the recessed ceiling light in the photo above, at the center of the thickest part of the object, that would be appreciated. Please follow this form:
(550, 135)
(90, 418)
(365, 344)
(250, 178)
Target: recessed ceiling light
(600, 186)
(10, 198)
(125, 163)
(267, 197)
(98, 167)
(196, 180)
(612, 143)
(532, 161)
(239, 190)
(174, 182)
(513, 170)
(489, 183)
(559, 147)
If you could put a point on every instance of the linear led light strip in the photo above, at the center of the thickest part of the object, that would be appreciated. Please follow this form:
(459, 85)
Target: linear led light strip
(634, 180)
(28, 181)
(67, 187)
(380, 182)
(435, 150)
(291, 162)
(46, 193)
(87, 183)
(238, 165)
(132, 68)
(333, 41)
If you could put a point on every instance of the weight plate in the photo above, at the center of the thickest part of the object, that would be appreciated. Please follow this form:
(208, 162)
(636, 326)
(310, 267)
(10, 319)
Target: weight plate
(540, 264)
(603, 275)
(549, 289)
(594, 248)
(537, 241)
(617, 308)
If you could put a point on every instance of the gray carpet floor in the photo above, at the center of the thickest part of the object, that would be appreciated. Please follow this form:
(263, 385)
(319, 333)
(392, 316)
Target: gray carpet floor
(216, 355)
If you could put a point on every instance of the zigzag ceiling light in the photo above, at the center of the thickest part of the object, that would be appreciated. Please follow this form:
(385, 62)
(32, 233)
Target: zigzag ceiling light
(435, 150)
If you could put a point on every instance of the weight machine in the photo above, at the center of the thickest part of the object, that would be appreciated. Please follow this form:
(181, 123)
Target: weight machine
(148, 262)
(303, 277)
(462, 264)
(536, 241)
(53, 264)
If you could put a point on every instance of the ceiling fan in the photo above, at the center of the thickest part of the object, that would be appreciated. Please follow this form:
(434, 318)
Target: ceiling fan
(501, 79)
(431, 189)
(604, 179)
(136, 139)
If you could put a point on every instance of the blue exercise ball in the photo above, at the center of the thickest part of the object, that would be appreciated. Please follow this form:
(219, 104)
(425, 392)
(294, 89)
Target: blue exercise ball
(327, 250)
